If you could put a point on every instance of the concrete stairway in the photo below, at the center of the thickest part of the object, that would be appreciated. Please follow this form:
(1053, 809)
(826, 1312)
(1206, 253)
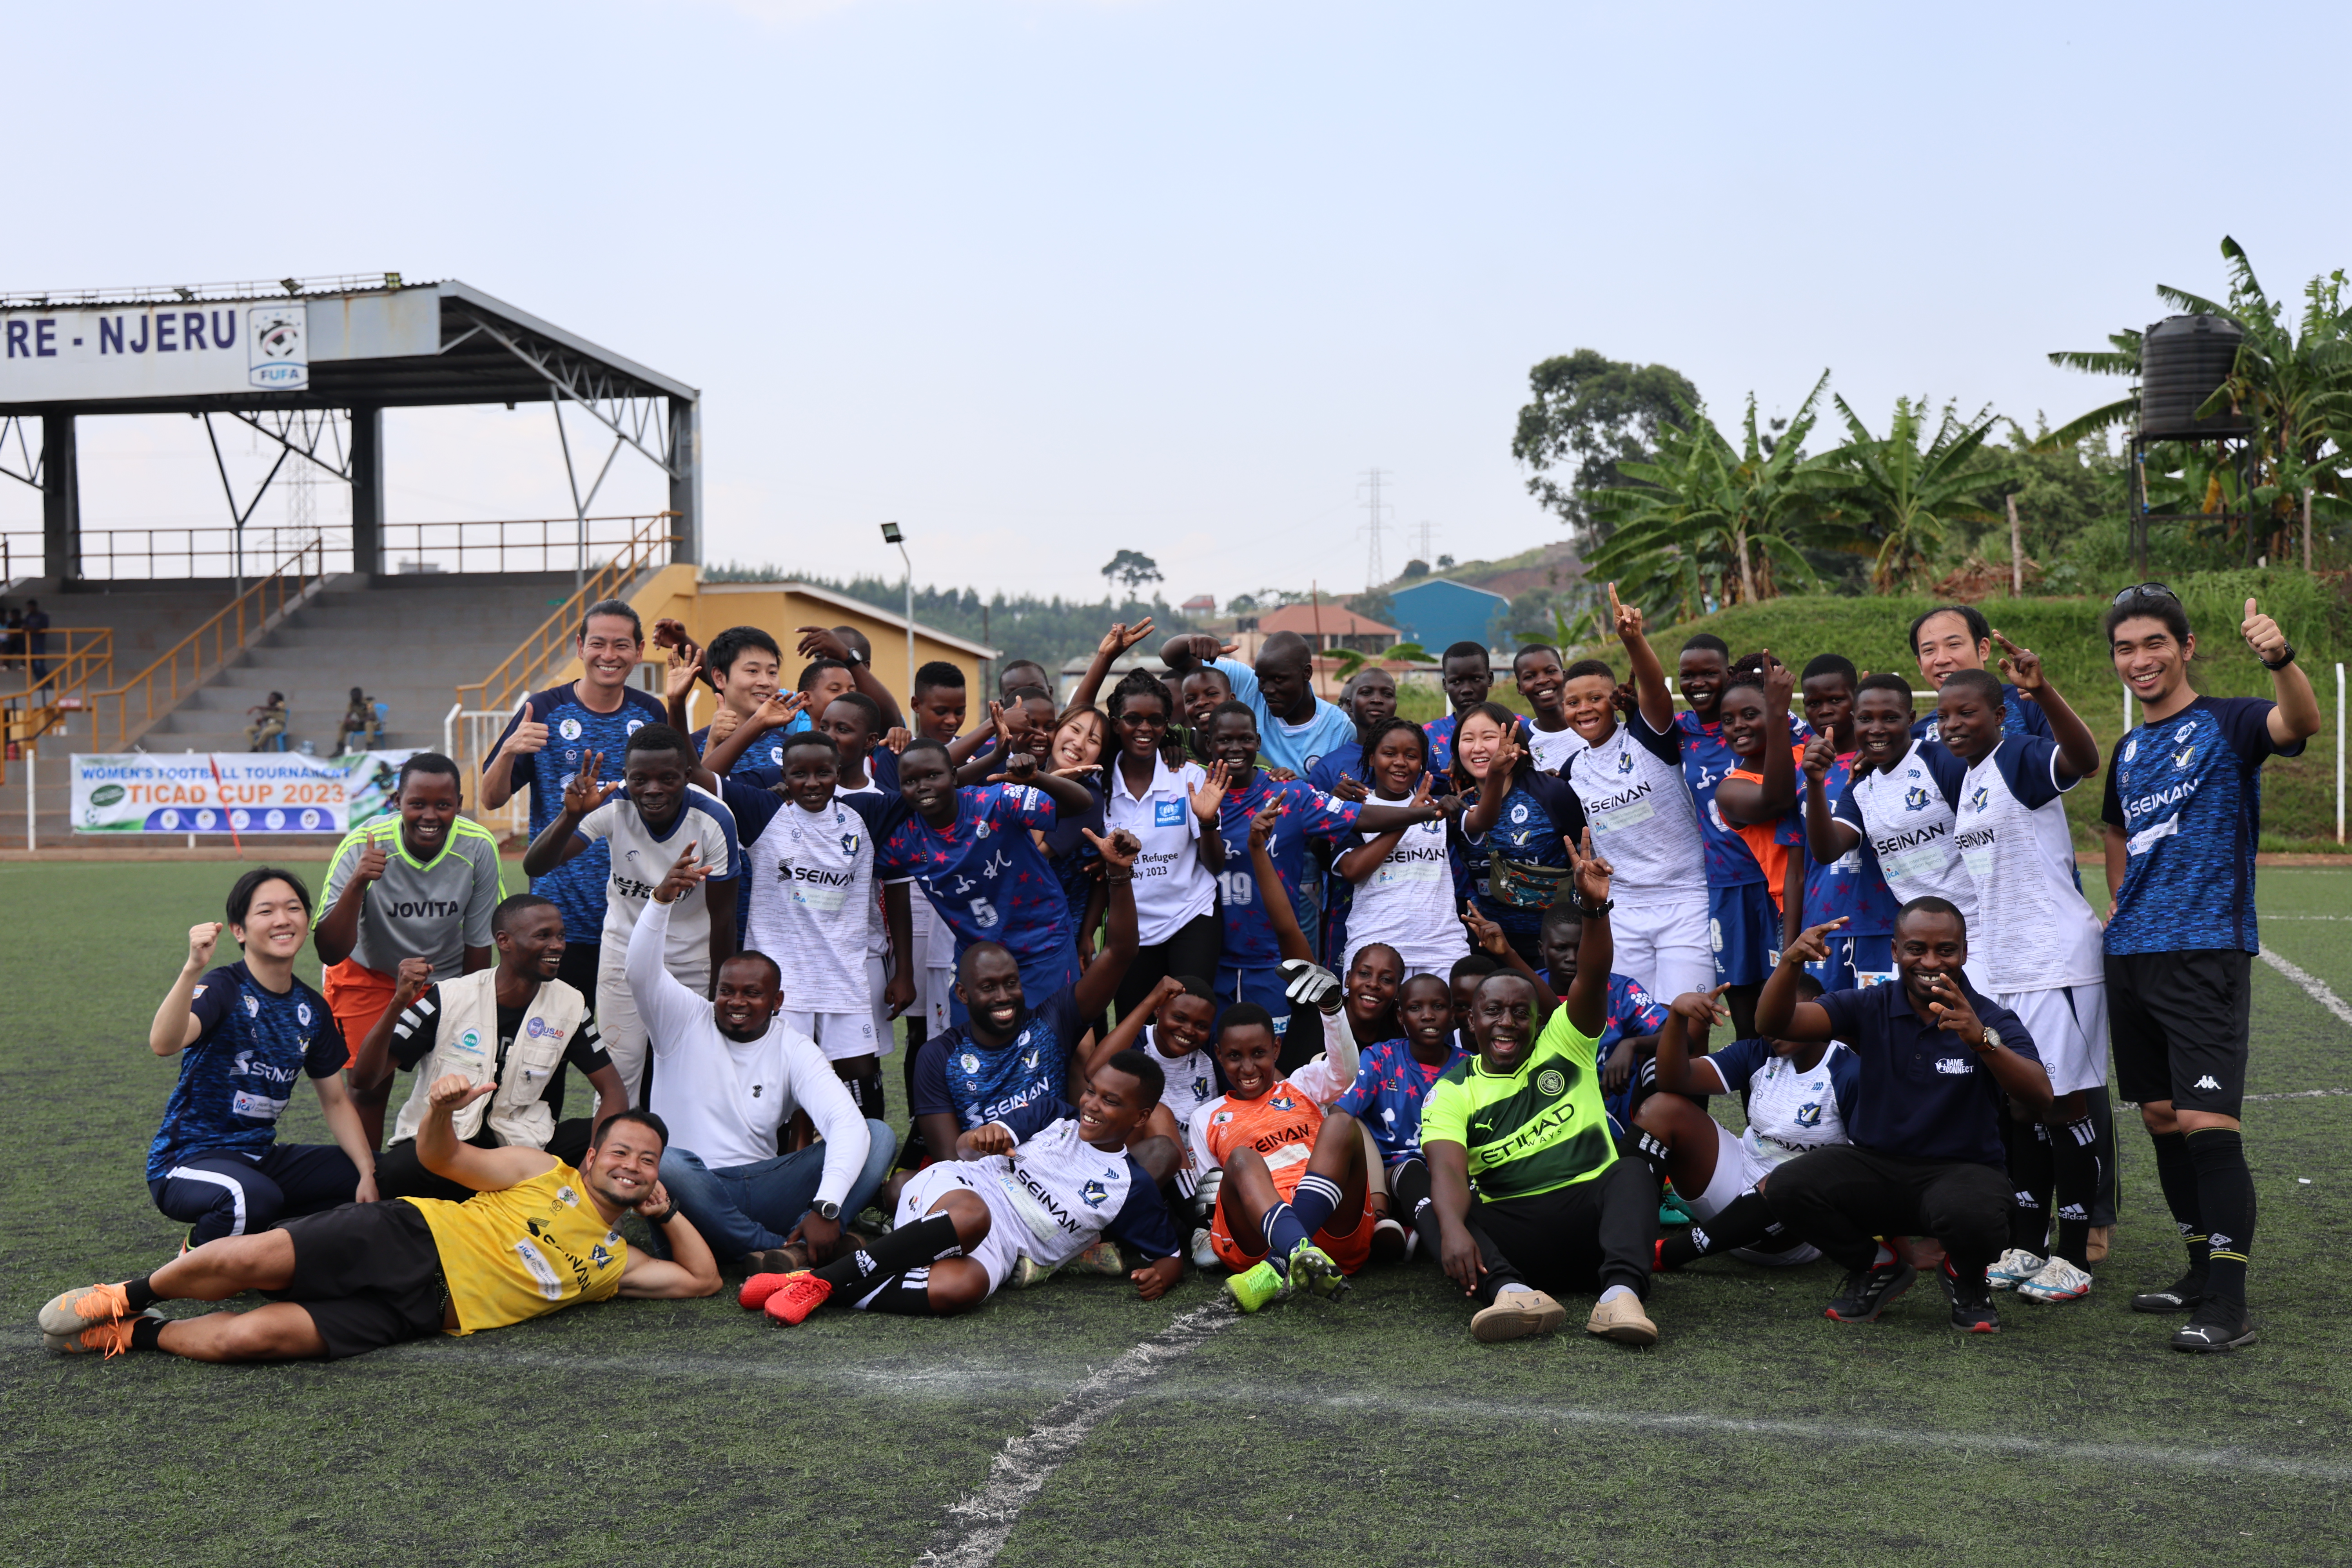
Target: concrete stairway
(406, 640)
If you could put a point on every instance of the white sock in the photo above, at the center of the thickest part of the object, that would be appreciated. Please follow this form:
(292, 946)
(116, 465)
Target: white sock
(1886, 1256)
(1513, 1290)
(1613, 1292)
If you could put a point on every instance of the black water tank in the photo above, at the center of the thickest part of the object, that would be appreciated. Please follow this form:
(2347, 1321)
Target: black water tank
(2182, 359)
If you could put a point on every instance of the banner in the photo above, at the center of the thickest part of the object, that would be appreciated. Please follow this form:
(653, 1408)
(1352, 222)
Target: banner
(154, 350)
(253, 792)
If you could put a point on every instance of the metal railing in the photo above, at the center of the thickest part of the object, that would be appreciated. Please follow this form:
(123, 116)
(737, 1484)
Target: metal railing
(72, 659)
(196, 656)
(484, 706)
(503, 544)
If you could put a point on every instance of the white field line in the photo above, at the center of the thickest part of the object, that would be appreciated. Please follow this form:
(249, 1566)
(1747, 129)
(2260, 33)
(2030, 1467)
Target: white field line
(979, 1524)
(2312, 986)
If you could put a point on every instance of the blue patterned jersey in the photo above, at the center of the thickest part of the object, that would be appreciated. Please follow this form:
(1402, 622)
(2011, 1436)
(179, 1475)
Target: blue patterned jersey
(956, 1075)
(577, 887)
(2019, 716)
(984, 874)
(1307, 813)
(235, 1081)
(1390, 1083)
(2188, 794)
(762, 758)
(1441, 742)
(1850, 884)
(1540, 814)
(1707, 759)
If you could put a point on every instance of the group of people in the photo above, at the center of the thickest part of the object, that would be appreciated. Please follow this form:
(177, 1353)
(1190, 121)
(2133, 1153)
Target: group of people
(1218, 971)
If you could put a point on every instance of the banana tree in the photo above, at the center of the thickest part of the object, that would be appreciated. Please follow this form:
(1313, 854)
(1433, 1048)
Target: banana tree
(1910, 484)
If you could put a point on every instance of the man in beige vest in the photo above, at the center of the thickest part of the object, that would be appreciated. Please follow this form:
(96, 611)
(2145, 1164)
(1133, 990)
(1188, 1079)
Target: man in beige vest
(514, 1026)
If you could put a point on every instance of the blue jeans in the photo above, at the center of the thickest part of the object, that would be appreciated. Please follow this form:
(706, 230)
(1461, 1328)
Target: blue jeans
(742, 1209)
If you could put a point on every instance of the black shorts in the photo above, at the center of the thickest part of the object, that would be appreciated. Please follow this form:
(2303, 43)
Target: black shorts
(368, 1274)
(2177, 1022)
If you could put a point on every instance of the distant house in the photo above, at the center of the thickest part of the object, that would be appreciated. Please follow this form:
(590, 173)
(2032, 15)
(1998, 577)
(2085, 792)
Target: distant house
(1328, 629)
(1200, 605)
(1436, 613)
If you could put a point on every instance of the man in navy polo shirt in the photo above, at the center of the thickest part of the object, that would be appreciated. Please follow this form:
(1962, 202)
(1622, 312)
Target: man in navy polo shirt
(1926, 1157)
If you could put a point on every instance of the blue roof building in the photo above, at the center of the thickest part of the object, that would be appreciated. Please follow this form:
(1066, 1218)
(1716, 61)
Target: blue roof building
(1435, 613)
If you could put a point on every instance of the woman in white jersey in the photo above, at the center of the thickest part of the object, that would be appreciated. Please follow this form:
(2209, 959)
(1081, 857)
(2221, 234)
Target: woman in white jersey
(1172, 810)
(1404, 879)
(1900, 797)
(2045, 950)
(1630, 777)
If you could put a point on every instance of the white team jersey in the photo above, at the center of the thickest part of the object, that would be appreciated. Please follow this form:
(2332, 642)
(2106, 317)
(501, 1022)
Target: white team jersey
(1056, 1193)
(1643, 821)
(1407, 900)
(1789, 1111)
(1907, 822)
(877, 941)
(1550, 747)
(813, 905)
(1192, 1084)
(640, 862)
(2035, 932)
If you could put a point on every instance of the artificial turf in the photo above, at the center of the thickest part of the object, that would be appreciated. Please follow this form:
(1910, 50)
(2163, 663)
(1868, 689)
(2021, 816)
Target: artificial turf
(1371, 1433)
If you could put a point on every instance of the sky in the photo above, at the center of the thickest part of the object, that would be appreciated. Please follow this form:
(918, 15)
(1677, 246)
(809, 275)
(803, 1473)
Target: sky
(1045, 279)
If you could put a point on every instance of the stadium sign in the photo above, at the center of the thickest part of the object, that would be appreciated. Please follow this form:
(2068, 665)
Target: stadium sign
(154, 350)
(224, 791)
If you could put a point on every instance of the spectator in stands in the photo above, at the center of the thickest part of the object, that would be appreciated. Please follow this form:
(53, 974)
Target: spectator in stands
(268, 723)
(351, 735)
(36, 637)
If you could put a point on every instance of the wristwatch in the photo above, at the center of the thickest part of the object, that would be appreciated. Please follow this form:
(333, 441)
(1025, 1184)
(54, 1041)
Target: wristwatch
(1991, 1040)
(825, 1209)
(1594, 912)
(2285, 658)
(850, 655)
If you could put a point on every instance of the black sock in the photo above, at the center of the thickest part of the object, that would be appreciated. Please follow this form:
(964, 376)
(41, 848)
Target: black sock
(2176, 1173)
(141, 1294)
(1743, 1222)
(867, 1092)
(1653, 1153)
(147, 1333)
(2029, 1179)
(909, 1295)
(1409, 1189)
(913, 1246)
(2225, 1196)
(2075, 1158)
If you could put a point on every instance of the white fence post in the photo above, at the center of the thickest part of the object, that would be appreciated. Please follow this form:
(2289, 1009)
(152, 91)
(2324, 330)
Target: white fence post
(31, 758)
(2339, 750)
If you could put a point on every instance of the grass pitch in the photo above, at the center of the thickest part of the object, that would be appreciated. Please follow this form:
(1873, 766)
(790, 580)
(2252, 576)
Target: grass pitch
(1375, 1433)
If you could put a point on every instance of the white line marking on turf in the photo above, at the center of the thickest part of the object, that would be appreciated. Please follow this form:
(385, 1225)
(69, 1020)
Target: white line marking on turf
(2314, 986)
(2300, 1094)
(1019, 1473)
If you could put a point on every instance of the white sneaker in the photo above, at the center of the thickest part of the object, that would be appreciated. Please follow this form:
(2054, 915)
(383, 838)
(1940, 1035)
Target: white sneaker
(2058, 1281)
(1204, 1255)
(2014, 1268)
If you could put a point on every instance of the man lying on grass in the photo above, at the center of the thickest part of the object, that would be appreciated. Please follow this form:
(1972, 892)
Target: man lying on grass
(536, 1236)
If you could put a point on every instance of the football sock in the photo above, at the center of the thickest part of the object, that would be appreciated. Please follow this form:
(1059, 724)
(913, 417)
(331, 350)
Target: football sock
(139, 1293)
(867, 1093)
(908, 1294)
(1409, 1188)
(1313, 1202)
(2030, 1179)
(2176, 1173)
(2225, 1197)
(1615, 1291)
(1743, 1222)
(1653, 1153)
(1284, 1234)
(147, 1333)
(915, 1244)
(2074, 1158)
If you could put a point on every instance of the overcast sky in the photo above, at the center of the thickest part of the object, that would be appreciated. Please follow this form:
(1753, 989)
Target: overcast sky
(1043, 281)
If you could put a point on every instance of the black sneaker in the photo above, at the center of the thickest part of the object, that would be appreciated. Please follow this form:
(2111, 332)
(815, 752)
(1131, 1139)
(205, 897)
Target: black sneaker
(1867, 1292)
(2182, 1295)
(1972, 1309)
(2218, 1325)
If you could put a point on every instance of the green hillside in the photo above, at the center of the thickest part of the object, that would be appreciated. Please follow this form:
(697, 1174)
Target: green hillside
(2298, 793)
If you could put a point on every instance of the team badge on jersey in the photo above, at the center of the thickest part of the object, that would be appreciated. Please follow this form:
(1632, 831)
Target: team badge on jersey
(1519, 815)
(568, 729)
(1624, 762)
(1982, 798)
(567, 1198)
(849, 844)
(253, 1007)
(1095, 1193)
(968, 1062)
(1550, 1084)
(1282, 1103)
(634, 725)
(1221, 1118)
(2183, 757)
(1915, 799)
(1029, 1061)
(302, 1011)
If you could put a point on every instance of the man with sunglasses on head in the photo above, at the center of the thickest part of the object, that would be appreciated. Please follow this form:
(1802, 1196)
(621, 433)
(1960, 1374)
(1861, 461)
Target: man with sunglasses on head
(2183, 816)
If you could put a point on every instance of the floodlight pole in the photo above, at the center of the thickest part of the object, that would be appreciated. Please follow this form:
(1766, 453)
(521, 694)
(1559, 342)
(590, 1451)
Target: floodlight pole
(891, 535)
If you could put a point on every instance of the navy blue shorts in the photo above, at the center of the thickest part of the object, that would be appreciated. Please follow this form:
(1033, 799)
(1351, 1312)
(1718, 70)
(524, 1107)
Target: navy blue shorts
(1856, 962)
(1744, 928)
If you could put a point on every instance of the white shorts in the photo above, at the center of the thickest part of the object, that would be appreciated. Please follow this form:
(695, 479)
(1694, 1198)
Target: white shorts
(2069, 1027)
(622, 1033)
(1000, 1250)
(1735, 1171)
(1665, 945)
(840, 1035)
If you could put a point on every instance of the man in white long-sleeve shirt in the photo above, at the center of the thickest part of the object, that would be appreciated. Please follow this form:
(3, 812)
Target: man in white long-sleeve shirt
(730, 1076)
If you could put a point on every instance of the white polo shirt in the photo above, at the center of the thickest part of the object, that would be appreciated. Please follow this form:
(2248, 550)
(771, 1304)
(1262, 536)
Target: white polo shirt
(1171, 886)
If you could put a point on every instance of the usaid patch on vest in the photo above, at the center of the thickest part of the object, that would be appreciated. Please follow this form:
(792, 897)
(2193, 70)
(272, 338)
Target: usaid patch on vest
(541, 1029)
